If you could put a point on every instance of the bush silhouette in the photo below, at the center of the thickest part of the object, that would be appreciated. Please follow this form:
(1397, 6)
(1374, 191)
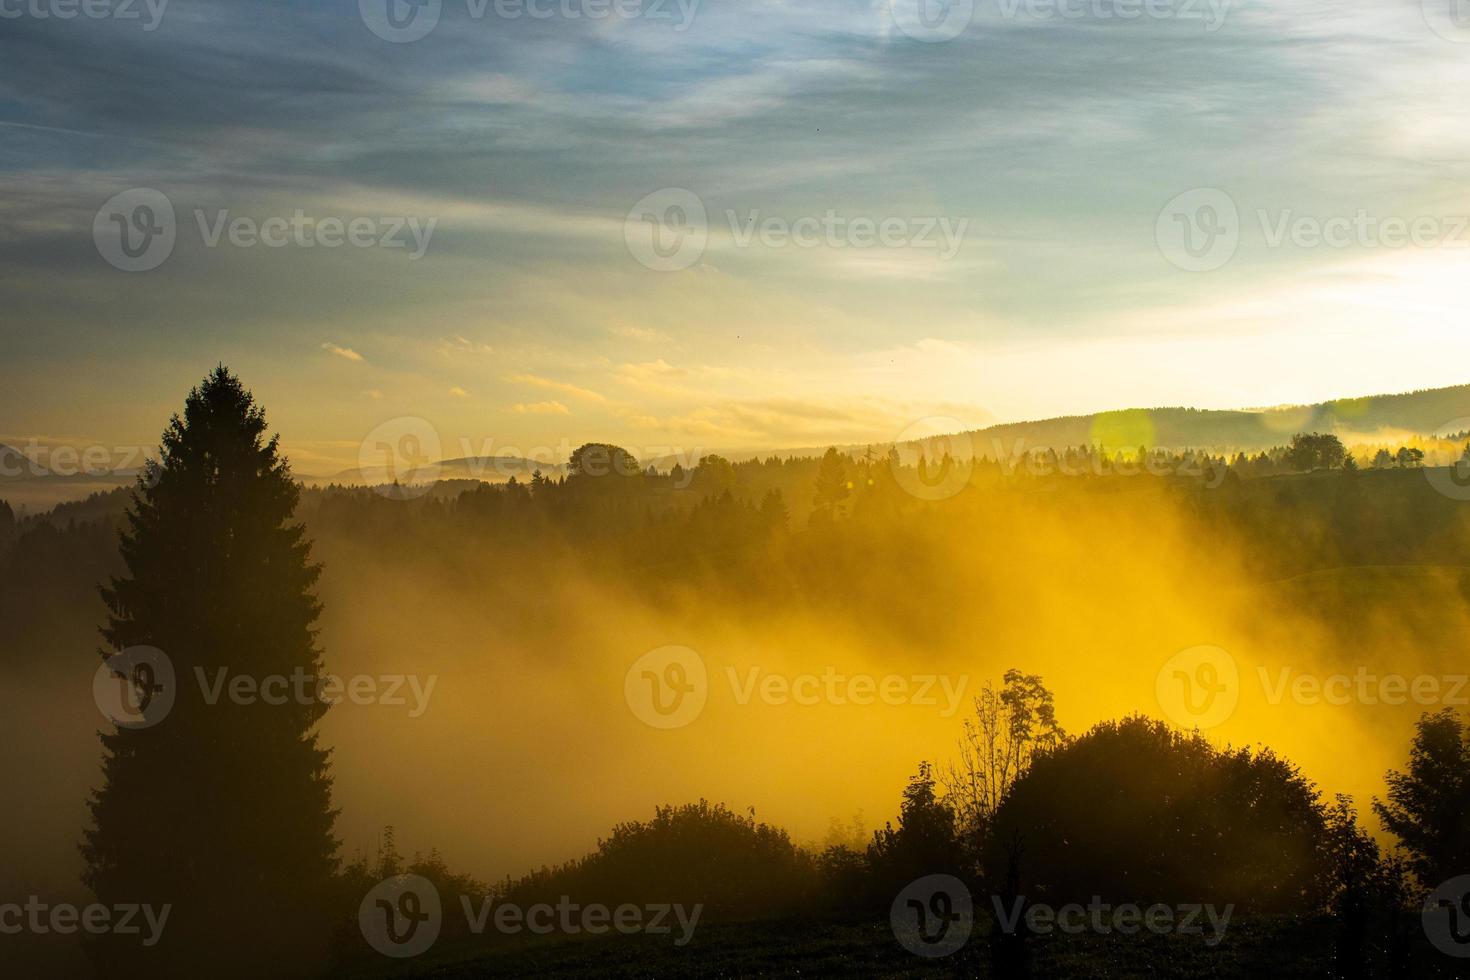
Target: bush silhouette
(1136, 811)
(698, 853)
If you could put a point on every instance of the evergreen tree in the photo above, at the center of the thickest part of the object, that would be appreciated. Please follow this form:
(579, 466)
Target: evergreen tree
(223, 808)
(833, 486)
(773, 510)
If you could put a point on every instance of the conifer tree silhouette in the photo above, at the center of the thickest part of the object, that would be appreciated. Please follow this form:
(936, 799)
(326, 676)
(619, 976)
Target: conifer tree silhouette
(223, 808)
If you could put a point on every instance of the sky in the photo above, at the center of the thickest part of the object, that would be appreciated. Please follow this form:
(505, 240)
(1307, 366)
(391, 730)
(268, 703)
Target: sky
(722, 225)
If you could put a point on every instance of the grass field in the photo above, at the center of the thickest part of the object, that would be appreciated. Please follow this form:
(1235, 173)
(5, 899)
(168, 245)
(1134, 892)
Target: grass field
(1283, 947)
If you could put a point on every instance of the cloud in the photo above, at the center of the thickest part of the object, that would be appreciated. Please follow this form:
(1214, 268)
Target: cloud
(346, 353)
(540, 408)
(457, 392)
(463, 345)
(552, 385)
(641, 334)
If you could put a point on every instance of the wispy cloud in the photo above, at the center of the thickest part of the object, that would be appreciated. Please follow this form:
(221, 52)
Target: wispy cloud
(346, 353)
(540, 408)
(566, 388)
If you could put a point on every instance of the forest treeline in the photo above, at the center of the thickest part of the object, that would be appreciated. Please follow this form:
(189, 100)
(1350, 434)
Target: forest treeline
(1132, 810)
(778, 529)
(215, 557)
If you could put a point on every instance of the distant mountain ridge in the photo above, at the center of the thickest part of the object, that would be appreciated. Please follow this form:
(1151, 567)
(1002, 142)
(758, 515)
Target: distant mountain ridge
(491, 469)
(1426, 412)
(1374, 418)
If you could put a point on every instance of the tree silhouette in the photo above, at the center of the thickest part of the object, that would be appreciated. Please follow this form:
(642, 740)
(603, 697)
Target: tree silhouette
(222, 809)
(1008, 729)
(596, 459)
(832, 486)
(7, 522)
(1137, 811)
(924, 841)
(1428, 806)
(1315, 451)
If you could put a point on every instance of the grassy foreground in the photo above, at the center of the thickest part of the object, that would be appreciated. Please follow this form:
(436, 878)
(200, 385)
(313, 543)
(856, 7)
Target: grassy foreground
(1278, 947)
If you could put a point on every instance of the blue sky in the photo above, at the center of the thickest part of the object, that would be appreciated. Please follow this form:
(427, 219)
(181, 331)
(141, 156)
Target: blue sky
(1052, 133)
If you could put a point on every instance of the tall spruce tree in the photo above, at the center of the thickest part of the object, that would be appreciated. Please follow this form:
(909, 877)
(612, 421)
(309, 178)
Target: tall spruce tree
(223, 808)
